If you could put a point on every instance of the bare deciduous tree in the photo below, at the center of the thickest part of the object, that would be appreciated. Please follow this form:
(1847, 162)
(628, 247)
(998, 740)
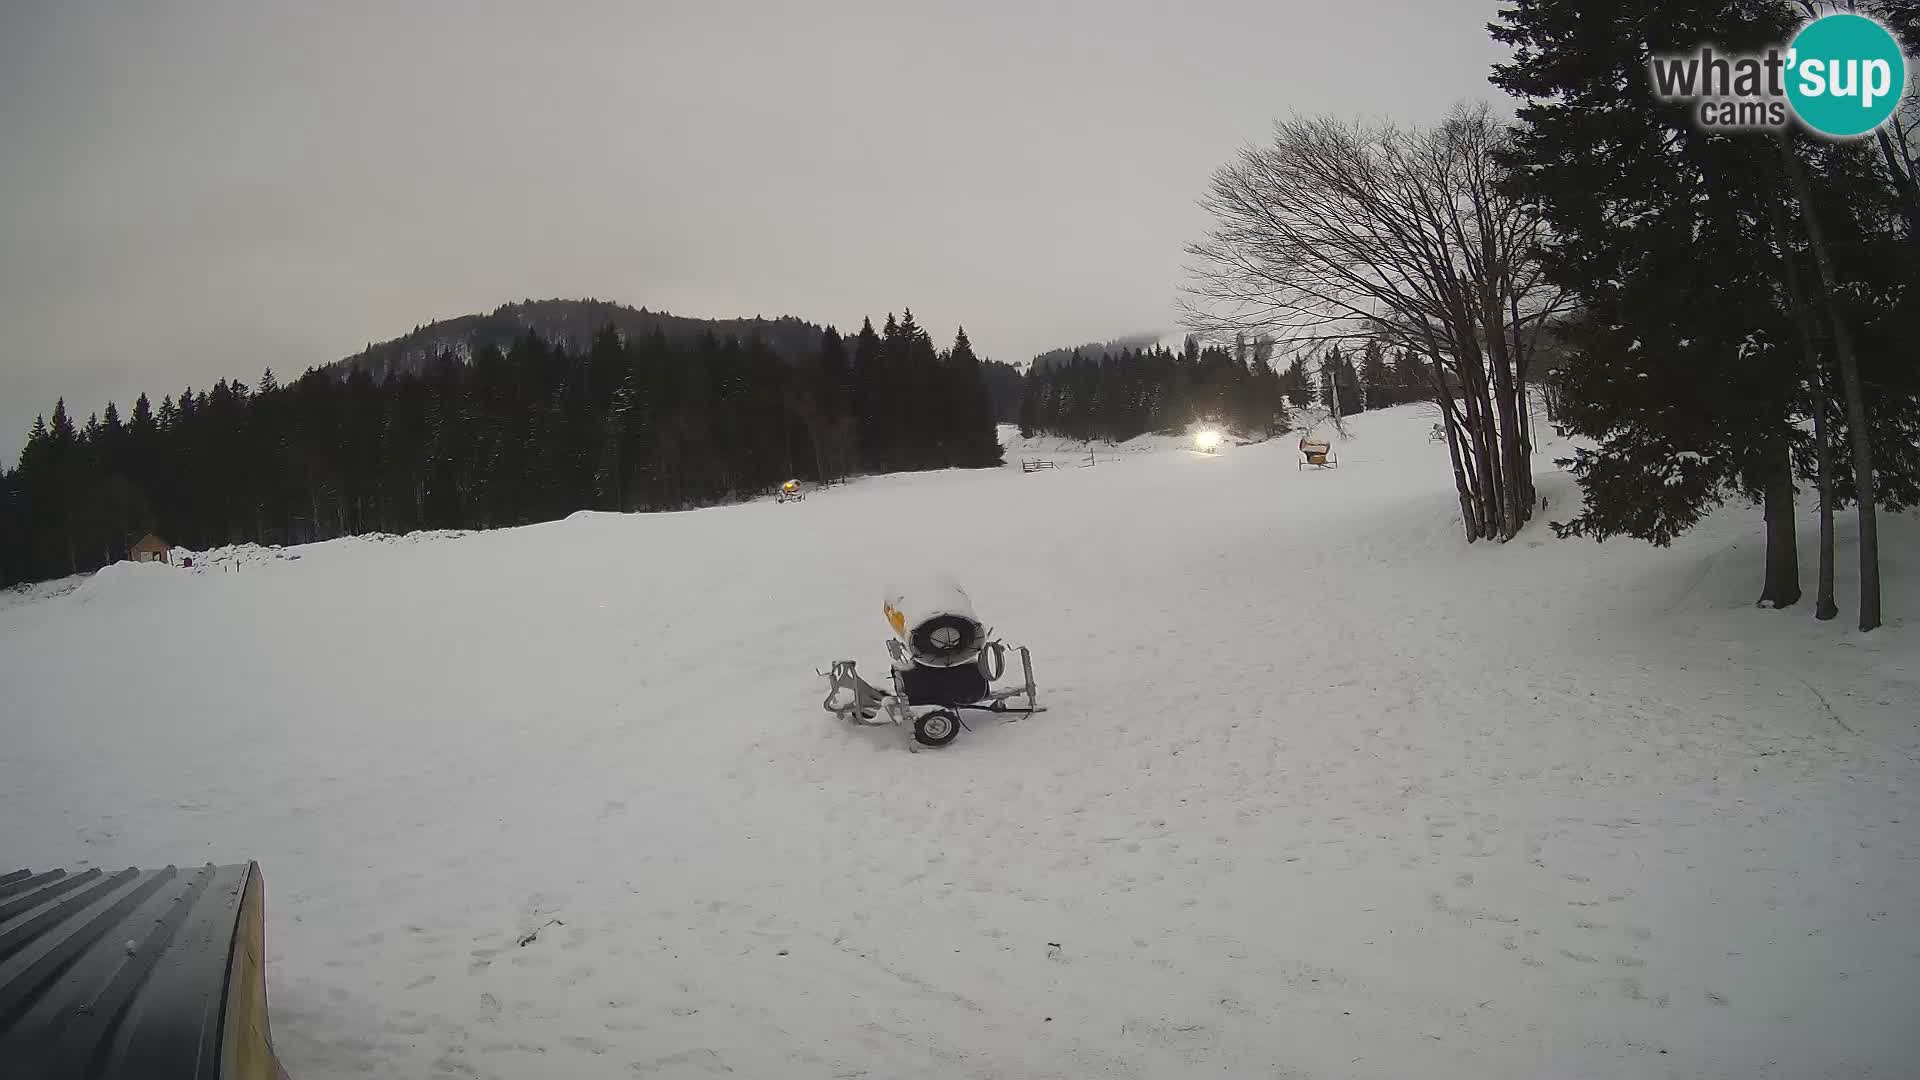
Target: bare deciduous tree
(1341, 232)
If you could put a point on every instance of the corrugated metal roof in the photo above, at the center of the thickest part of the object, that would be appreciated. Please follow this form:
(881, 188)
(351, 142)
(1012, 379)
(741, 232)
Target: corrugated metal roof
(117, 973)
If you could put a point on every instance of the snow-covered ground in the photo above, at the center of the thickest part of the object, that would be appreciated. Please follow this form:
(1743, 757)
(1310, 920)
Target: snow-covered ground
(1323, 791)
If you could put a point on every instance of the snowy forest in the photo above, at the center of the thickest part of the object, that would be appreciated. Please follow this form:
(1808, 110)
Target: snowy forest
(1125, 392)
(529, 433)
(1741, 308)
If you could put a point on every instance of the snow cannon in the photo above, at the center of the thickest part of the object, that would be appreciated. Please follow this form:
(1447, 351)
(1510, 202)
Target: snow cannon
(935, 624)
(944, 660)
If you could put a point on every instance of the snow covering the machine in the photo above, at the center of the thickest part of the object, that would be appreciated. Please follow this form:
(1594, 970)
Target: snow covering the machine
(933, 618)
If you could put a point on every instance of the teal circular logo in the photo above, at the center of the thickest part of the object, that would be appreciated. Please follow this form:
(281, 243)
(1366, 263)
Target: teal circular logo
(1845, 75)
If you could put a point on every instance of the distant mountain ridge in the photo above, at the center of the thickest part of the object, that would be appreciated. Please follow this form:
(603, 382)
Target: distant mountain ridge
(569, 322)
(1094, 350)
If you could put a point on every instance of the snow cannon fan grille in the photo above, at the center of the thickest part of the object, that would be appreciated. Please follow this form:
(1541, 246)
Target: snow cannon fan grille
(947, 641)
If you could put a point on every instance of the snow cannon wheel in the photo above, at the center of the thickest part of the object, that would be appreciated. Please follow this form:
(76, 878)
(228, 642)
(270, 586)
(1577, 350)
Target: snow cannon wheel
(937, 728)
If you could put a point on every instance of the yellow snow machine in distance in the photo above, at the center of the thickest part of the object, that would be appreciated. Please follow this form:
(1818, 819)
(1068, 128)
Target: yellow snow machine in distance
(1317, 453)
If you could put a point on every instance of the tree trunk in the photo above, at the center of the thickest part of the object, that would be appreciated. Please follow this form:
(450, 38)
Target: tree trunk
(1522, 360)
(1504, 356)
(1856, 401)
(1782, 588)
(1484, 444)
(1482, 436)
(1512, 464)
(1333, 402)
(1469, 516)
(1520, 393)
(1824, 607)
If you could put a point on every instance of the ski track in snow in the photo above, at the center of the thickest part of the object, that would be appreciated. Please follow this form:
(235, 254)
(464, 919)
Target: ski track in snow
(1322, 790)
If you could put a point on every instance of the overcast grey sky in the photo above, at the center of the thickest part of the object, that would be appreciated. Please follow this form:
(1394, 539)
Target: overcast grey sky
(193, 190)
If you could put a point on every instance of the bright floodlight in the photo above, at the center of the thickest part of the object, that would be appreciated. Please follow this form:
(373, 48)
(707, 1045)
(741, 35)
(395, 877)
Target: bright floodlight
(1207, 439)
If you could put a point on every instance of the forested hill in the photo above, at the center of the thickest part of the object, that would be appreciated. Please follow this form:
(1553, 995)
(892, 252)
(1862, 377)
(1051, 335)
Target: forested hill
(1096, 349)
(532, 432)
(571, 325)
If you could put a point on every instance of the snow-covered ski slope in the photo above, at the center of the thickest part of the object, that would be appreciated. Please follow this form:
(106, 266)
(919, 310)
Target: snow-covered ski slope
(1323, 791)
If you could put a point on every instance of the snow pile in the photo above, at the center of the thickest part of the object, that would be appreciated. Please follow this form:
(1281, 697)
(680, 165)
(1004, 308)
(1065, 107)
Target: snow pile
(236, 557)
(230, 558)
(424, 536)
(36, 591)
(1322, 790)
(143, 585)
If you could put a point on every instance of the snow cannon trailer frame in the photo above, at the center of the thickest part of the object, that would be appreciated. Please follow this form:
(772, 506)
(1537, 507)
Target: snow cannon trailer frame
(930, 699)
(155, 974)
